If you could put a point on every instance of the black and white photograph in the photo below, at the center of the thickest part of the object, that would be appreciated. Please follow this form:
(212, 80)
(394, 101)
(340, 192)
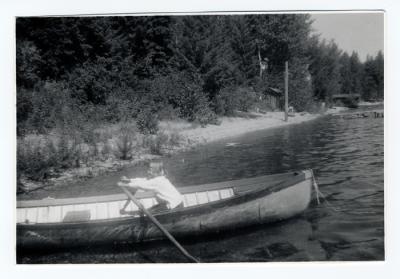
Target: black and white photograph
(212, 137)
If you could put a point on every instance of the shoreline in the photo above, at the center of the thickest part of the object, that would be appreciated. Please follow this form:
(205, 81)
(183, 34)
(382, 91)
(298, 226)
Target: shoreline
(237, 126)
(190, 137)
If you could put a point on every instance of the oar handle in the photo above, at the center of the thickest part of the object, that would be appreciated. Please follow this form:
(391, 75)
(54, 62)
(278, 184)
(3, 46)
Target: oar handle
(158, 224)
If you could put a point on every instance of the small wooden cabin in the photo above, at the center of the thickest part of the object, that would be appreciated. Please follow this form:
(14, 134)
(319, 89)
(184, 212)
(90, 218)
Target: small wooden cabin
(272, 97)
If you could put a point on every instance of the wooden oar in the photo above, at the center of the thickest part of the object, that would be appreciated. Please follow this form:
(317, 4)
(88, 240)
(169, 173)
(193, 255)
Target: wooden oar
(161, 227)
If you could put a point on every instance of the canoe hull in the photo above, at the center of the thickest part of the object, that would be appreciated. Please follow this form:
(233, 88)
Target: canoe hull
(259, 207)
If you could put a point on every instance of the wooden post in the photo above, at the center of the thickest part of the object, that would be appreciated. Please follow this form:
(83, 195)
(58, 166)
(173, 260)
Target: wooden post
(286, 90)
(159, 226)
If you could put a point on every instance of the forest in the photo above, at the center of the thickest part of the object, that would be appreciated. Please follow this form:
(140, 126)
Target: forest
(191, 66)
(76, 73)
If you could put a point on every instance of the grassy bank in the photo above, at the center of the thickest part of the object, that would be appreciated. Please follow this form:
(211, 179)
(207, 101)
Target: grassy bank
(59, 158)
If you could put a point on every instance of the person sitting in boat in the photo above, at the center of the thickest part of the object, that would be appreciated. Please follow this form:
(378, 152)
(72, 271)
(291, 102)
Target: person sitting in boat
(167, 196)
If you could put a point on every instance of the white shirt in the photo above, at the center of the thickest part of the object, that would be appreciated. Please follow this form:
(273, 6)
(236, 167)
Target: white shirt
(161, 186)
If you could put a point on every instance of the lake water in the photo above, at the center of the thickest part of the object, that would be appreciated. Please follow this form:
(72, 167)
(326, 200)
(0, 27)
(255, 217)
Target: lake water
(347, 156)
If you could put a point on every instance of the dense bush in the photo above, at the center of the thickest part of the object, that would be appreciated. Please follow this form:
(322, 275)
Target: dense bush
(172, 95)
(168, 113)
(147, 121)
(203, 114)
(50, 106)
(39, 157)
(126, 141)
(35, 158)
(246, 99)
(235, 98)
(226, 102)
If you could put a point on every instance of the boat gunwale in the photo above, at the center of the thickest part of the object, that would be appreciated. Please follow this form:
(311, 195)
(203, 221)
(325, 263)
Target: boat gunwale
(196, 209)
(237, 183)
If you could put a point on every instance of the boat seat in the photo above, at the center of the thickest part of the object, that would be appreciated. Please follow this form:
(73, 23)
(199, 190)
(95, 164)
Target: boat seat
(77, 216)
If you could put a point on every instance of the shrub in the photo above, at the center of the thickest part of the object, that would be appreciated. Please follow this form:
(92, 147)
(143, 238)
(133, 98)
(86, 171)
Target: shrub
(125, 142)
(40, 156)
(106, 150)
(51, 103)
(174, 138)
(120, 108)
(156, 143)
(225, 103)
(204, 115)
(168, 113)
(177, 94)
(35, 158)
(147, 122)
(24, 110)
(67, 150)
(246, 99)
(231, 99)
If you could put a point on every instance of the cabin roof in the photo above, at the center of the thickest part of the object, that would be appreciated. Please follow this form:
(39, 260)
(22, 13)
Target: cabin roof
(273, 91)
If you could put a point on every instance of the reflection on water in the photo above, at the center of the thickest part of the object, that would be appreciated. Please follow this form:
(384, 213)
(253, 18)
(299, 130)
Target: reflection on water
(347, 158)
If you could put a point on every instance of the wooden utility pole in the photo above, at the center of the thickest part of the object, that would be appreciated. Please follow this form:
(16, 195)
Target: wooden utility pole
(286, 90)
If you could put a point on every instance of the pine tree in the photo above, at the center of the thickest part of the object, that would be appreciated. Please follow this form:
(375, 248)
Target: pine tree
(355, 74)
(373, 79)
(325, 69)
(379, 64)
(345, 74)
(244, 49)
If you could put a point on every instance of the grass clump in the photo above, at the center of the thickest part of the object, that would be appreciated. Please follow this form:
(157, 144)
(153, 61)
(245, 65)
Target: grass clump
(126, 141)
(35, 158)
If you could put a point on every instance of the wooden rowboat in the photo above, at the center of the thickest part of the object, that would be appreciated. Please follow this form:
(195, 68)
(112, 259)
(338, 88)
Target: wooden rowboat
(207, 208)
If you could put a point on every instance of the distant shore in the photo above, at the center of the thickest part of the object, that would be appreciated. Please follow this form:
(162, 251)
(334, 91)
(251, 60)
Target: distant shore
(235, 126)
(190, 136)
(365, 103)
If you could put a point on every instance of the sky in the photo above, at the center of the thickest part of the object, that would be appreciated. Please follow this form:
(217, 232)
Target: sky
(360, 32)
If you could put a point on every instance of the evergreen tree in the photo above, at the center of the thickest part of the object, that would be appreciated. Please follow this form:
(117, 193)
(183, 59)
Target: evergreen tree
(325, 69)
(373, 79)
(379, 64)
(345, 74)
(244, 49)
(63, 42)
(355, 74)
